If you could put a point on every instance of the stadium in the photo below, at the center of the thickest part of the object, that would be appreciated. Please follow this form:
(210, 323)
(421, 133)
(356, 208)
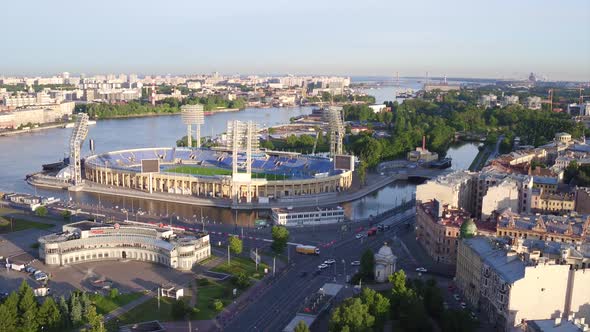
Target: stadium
(258, 176)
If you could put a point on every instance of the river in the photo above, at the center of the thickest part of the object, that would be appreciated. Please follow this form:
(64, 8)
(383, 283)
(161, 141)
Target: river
(24, 154)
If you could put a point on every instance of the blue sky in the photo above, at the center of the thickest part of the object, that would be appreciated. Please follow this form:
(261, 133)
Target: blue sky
(469, 38)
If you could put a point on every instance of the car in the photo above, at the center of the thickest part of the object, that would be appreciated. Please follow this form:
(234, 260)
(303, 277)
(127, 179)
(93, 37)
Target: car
(457, 297)
(40, 276)
(463, 305)
(322, 266)
(330, 261)
(473, 315)
(359, 236)
(355, 263)
(303, 274)
(30, 269)
(421, 270)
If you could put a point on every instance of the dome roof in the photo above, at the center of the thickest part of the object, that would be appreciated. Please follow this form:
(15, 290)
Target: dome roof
(468, 229)
(385, 251)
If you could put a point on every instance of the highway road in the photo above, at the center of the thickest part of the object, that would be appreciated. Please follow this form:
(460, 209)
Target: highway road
(272, 310)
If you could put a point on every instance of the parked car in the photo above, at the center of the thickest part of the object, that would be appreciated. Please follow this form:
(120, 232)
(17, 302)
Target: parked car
(359, 236)
(322, 266)
(457, 297)
(330, 261)
(355, 263)
(421, 270)
(463, 305)
(40, 276)
(30, 269)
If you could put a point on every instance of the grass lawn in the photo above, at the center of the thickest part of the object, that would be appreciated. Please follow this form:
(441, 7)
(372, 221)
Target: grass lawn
(105, 304)
(240, 264)
(147, 311)
(210, 171)
(19, 225)
(207, 294)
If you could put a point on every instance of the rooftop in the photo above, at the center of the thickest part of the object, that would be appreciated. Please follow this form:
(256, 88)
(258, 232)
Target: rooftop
(449, 216)
(550, 325)
(510, 268)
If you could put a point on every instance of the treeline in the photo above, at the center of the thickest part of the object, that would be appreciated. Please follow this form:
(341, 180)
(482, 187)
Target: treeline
(342, 98)
(165, 106)
(456, 112)
(21, 311)
(412, 305)
(577, 174)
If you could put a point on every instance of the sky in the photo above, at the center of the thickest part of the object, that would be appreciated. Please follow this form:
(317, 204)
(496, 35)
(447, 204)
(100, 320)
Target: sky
(458, 38)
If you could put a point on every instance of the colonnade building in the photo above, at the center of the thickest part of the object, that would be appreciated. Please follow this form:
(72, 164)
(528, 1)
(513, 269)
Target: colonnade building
(88, 241)
(211, 173)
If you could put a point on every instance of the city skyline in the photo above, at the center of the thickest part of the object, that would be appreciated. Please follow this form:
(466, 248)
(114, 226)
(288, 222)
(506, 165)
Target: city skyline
(375, 38)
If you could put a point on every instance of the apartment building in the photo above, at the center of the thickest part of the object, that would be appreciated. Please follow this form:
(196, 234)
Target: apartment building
(509, 290)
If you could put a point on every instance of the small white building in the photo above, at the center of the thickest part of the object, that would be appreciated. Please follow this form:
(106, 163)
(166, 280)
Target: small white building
(302, 217)
(385, 263)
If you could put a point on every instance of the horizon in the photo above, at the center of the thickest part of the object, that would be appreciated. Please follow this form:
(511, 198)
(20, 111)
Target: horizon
(501, 40)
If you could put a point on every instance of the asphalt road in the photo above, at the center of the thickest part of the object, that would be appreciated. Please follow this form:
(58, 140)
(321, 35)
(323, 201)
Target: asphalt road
(272, 310)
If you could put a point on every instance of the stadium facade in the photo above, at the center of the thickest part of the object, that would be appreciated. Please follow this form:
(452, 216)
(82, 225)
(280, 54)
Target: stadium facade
(88, 241)
(211, 173)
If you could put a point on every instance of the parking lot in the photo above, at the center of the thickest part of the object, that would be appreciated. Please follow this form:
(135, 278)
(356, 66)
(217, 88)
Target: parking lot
(19, 247)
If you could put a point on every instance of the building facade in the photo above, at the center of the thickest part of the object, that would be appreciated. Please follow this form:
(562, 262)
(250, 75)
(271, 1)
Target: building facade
(510, 291)
(438, 229)
(88, 241)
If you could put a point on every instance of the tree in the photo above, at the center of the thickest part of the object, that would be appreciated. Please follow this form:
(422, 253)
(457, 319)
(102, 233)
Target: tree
(49, 315)
(75, 310)
(66, 214)
(95, 320)
(179, 309)
(367, 267)
(7, 319)
(280, 237)
(11, 306)
(86, 304)
(27, 308)
(241, 280)
(113, 293)
(235, 245)
(64, 311)
(41, 211)
(351, 315)
(378, 305)
(217, 305)
(362, 171)
(301, 327)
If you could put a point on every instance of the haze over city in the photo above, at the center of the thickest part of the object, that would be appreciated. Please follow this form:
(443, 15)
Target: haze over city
(295, 166)
(498, 39)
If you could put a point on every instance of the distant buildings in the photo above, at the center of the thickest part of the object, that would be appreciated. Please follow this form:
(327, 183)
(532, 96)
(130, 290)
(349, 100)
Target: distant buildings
(509, 100)
(488, 101)
(509, 290)
(533, 103)
(36, 115)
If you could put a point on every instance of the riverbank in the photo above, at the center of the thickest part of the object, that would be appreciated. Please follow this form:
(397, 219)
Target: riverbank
(32, 130)
(310, 201)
